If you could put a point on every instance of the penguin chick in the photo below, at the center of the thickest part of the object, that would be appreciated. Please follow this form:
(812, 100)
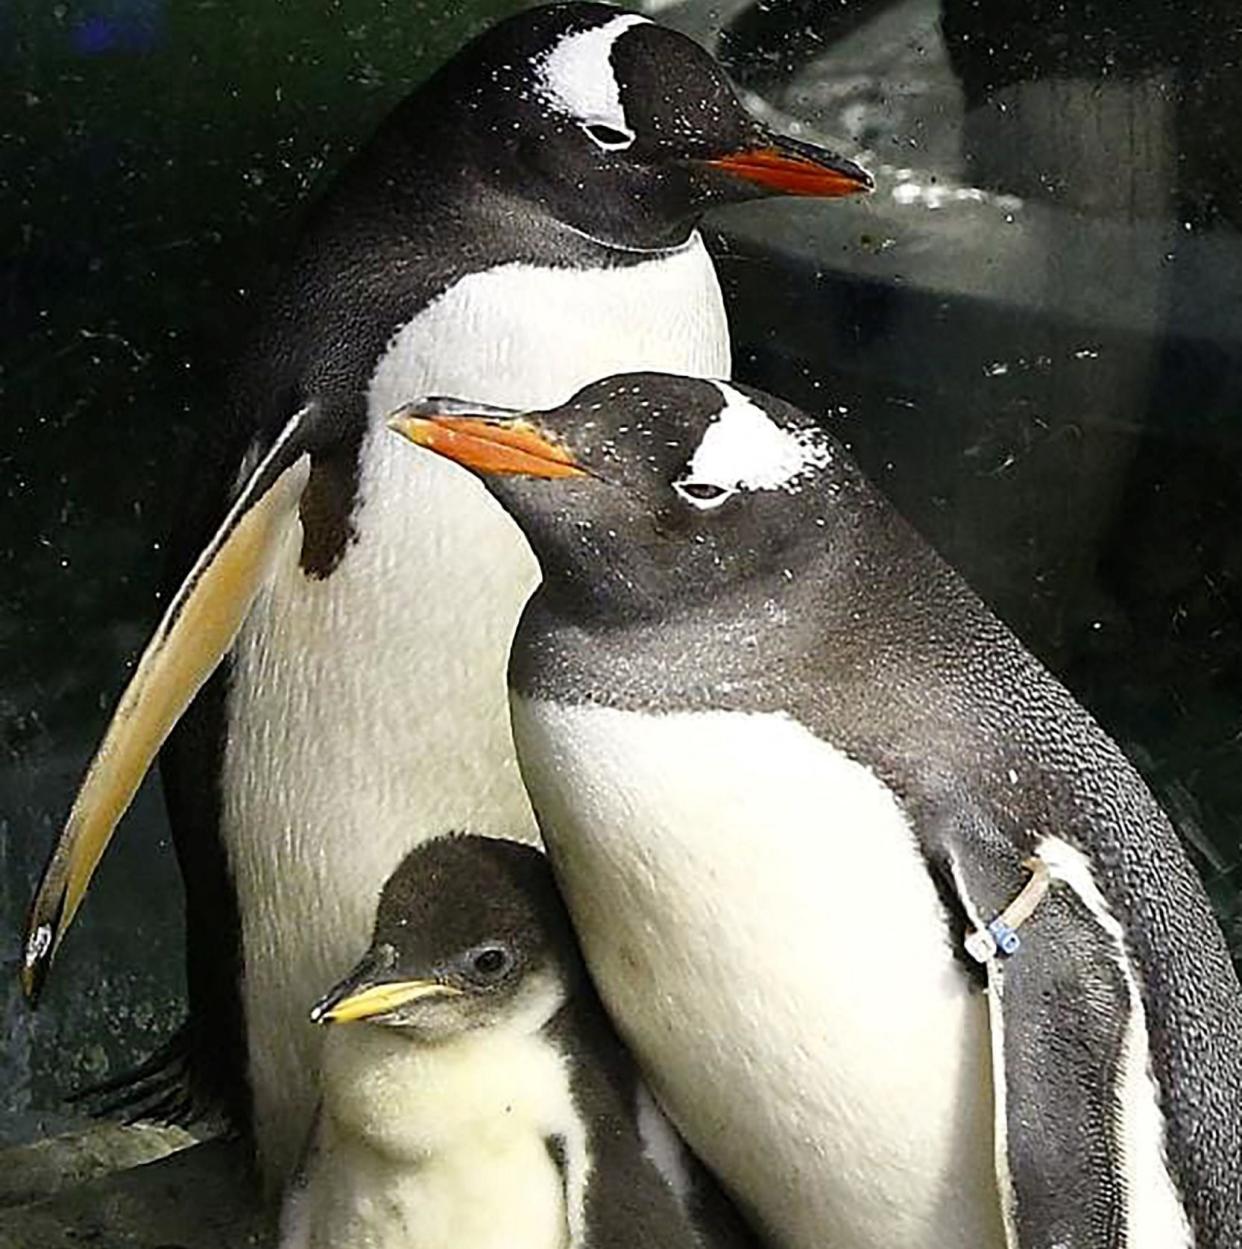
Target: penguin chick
(474, 1095)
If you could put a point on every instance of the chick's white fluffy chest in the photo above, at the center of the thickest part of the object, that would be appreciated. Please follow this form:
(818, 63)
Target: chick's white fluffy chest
(760, 923)
(367, 709)
(439, 1147)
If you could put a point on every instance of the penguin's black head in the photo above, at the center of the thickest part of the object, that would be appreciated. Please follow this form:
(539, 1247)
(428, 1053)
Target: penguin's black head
(647, 494)
(623, 130)
(470, 933)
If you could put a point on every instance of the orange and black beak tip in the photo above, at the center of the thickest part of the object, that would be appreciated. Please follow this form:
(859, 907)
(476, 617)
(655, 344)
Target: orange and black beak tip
(487, 444)
(787, 166)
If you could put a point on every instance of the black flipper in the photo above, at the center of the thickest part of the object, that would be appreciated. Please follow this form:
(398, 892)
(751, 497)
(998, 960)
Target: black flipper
(214, 1032)
(1080, 1143)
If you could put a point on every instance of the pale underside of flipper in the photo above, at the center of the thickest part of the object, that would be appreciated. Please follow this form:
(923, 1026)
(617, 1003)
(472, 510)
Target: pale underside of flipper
(1080, 1143)
(194, 635)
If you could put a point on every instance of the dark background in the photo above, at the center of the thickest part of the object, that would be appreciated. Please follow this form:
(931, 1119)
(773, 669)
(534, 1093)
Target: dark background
(1031, 335)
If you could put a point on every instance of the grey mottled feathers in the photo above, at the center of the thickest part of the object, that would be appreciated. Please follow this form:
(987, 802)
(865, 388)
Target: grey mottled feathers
(882, 650)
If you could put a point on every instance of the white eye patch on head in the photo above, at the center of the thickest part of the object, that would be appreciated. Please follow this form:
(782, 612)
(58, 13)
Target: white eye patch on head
(744, 449)
(576, 77)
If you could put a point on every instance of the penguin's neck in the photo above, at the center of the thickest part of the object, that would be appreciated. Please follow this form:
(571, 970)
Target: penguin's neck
(445, 1146)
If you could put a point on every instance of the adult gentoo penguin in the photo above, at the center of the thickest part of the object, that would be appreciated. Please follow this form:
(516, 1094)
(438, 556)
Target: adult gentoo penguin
(474, 1095)
(805, 797)
(524, 223)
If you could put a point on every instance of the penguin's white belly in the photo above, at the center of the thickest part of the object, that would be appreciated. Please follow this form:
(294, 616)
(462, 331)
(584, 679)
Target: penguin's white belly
(756, 912)
(367, 710)
(497, 1194)
(440, 1147)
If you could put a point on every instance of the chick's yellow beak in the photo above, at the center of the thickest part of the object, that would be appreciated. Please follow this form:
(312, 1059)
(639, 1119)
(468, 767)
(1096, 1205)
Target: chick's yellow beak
(377, 999)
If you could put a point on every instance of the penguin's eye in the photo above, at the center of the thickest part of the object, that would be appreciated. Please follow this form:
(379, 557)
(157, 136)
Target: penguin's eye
(490, 962)
(610, 138)
(704, 495)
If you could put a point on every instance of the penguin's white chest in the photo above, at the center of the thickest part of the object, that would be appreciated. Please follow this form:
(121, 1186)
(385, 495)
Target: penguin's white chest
(367, 710)
(764, 931)
(444, 1147)
(499, 1191)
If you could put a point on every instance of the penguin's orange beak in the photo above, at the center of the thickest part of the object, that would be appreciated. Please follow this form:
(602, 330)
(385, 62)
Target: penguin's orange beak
(488, 445)
(786, 166)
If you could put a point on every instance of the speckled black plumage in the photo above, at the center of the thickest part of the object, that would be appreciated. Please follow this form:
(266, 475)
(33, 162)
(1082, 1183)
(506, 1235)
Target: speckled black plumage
(824, 604)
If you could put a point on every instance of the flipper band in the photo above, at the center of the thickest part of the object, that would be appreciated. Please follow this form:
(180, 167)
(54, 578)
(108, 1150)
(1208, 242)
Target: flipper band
(1001, 935)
